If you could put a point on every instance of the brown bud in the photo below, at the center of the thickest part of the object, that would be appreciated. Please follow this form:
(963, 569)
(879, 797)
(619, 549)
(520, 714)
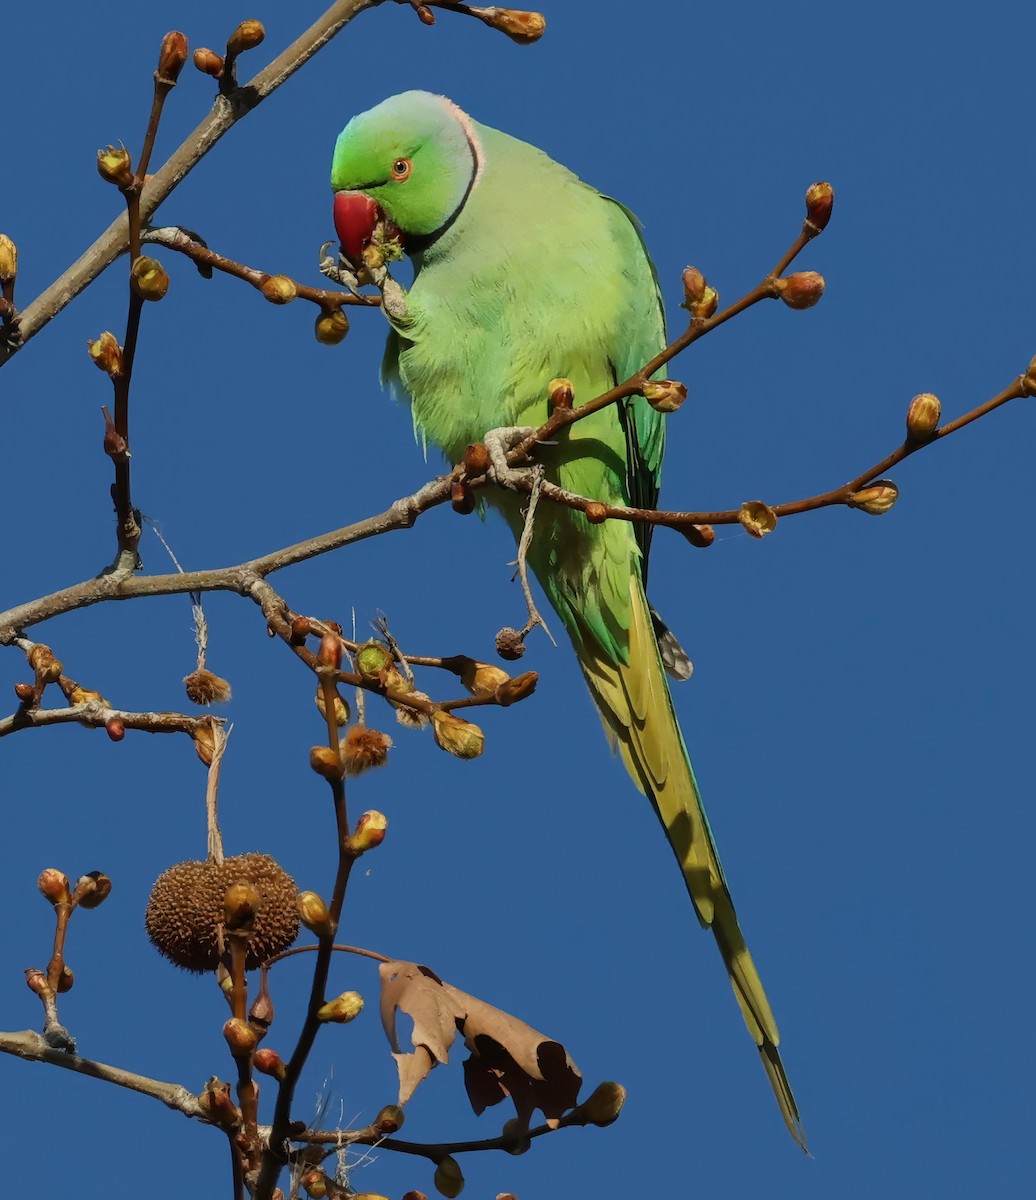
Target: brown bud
(389, 1120)
(115, 445)
(241, 901)
(462, 739)
(114, 165)
(148, 278)
(54, 885)
(325, 762)
(314, 1182)
(279, 289)
(240, 1036)
(415, 1195)
(370, 832)
(261, 1012)
(923, 417)
(171, 57)
(81, 695)
(329, 652)
(314, 914)
(561, 393)
(596, 513)
(664, 395)
(425, 14)
(372, 659)
(603, 1105)
(116, 729)
(246, 36)
(24, 692)
(1029, 380)
(66, 979)
(362, 749)
(43, 661)
(510, 644)
(876, 499)
(106, 354)
(331, 327)
(204, 742)
(701, 536)
(449, 1178)
(270, 1063)
(341, 707)
(8, 259)
(801, 290)
(342, 1009)
(693, 287)
(209, 62)
(517, 689)
(757, 518)
(820, 198)
(521, 27)
(482, 679)
(301, 628)
(476, 459)
(36, 981)
(205, 687)
(516, 1131)
(92, 889)
(462, 498)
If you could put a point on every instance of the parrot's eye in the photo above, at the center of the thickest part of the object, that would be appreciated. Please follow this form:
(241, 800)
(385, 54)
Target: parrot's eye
(401, 168)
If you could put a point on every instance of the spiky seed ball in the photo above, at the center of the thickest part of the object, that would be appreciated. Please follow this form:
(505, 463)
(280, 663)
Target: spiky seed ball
(186, 909)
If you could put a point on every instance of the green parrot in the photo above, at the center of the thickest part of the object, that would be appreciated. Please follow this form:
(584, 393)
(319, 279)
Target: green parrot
(523, 274)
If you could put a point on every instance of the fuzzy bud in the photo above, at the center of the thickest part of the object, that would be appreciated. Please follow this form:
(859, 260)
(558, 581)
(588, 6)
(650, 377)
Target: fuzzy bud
(372, 659)
(246, 36)
(801, 290)
(521, 27)
(8, 259)
(462, 739)
(92, 889)
(923, 417)
(820, 198)
(664, 395)
(114, 165)
(314, 915)
(116, 729)
(240, 1036)
(279, 289)
(106, 354)
(241, 901)
(757, 518)
(603, 1105)
(205, 687)
(209, 62)
(876, 499)
(462, 498)
(476, 459)
(370, 832)
(561, 393)
(517, 689)
(363, 748)
(449, 1178)
(331, 327)
(269, 1062)
(482, 679)
(325, 762)
(341, 707)
(204, 742)
(701, 536)
(43, 661)
(66, 979)
(342, 1009)
(54, 885)
(171, 57)
(510, 644)
(148, 278)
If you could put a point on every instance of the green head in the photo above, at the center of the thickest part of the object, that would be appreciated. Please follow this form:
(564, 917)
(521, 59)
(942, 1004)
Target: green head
(416, 156)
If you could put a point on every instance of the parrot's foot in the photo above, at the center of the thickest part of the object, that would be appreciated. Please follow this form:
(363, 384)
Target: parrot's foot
(499, 443)
(338, 269)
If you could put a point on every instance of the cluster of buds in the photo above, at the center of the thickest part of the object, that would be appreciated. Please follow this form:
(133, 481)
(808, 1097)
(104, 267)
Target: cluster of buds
(700, 300)
(521, 27)
(757, 518)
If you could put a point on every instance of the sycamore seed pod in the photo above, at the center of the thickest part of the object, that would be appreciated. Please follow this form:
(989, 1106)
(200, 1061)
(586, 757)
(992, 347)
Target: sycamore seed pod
(757, 518)
(561, 393)
(106, 354)
(801, 290)
(449, 1178)
(325, 762)
(482, 679)
(114, 165)
(372, 659)
(923, 417)
(205, 687)
(462, 739)
(342, 1009)
(362, 749)
(246, 36)
(54, 885)
(171, 57)
(820, 198)
(603, 1105)
(314, 915)
(92, 889)
(476, 459)
(66, 979)
(664, 395)
(370, 832)
(148, 278)
(331, 327)
(518, 688)
(340, 705)
(269, 1062)
(241, 902)
(510, 644)
(209, 62)
(8, 259)
(279, 289)
(876, 499)
(521, 27)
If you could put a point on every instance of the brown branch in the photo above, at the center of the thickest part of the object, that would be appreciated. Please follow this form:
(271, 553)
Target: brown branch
(96, 714)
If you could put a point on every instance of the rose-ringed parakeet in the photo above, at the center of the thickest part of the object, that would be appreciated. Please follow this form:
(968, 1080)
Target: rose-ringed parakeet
(523, 274)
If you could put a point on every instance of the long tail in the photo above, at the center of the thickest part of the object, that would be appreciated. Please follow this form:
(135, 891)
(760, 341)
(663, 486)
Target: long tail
(637, 710)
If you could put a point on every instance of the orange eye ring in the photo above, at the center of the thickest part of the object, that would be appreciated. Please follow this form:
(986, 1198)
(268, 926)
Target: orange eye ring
(401, 169)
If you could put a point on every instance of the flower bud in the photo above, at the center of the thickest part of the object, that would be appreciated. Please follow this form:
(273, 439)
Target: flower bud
(279, 289)
(171, 57)
(92, 889)
(699, 299)
(561, 393)
(923, 417)
(372, 659)
(340, 705)
(329, 652)
(209, 62)
(24, 692)
(325, 762)
(701, 536)
(36, 981)
(510, 644)
(517, 689)
(106, 354)
(449, 1178)
(596, 513)
(269, 1062)
(876, 499)
(66, 979)
(205, 687)
(482, 679)
(342, 1009)
(54, 885)
(460, 738)
(114, 165)
(425, 14)
(43, 661)
(331, 327)
(8, 259)
(820, 198)
(314, 915)
(389, 1120)
(301, 628)
(314, 1183)
(148, 278)
(370, 832)
(246, 36)
(363, 748)
(116, 729)
(664, 395)
(462, 498)
(801, 290)
(241, 902)
(757, 518)
(603, 1105)
(240, 1036)
(476, 459)
(521, 27)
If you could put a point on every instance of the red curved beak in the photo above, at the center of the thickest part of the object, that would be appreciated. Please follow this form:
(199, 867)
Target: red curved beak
(355, 218)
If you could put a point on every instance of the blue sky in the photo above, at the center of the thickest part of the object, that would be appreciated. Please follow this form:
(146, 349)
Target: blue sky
(860, 715)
